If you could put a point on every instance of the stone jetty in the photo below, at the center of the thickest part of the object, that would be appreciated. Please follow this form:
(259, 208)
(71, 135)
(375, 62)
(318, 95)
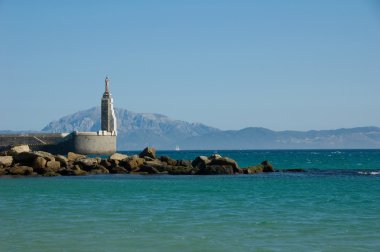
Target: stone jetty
(22, 161)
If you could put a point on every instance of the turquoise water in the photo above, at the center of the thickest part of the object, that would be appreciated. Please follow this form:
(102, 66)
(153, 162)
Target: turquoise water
(333, 207)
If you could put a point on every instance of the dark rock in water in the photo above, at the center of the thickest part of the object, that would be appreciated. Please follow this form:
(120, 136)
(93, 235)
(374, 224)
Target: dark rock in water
(224, 161)
(148, 169)
(267, 167)
(98, 169)
(86, 164)
(134, 162)
(168, 160)
(106, 164)
(254, 169)
(148, 152)
(216, 170)
(186, 163)
(21, 170)
(72, 171)
(25, 158)
(179, 170)
(118, 170)
(4, 171)
(292, 170)
(200, 162)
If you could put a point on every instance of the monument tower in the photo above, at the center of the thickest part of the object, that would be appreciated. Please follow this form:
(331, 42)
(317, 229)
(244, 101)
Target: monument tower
(108, 118)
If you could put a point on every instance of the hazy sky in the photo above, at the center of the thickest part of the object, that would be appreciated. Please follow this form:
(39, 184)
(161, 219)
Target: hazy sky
(229, 64)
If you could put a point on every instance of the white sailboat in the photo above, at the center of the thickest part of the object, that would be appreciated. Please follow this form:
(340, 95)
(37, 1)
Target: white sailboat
(177, 148)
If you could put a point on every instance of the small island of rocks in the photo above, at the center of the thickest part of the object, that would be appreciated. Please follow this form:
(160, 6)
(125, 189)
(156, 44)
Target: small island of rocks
(22, 161)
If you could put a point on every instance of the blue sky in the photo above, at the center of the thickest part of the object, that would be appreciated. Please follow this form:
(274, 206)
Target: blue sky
(229, 64)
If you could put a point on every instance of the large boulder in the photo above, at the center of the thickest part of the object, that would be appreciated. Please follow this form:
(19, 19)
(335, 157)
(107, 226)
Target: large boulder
(148, 152)
(87, 164)
(72, 171)
(133, 162)
(118, 156)
(63, 160)
(6, 160)
(39, 163)
(71, 156)
(200, 162)
(168, 160)
(25, 158)
(267, 167)
(46, 155)
(148, 169)
(98, 169)
(225, 161)
(21, 170)
(53, 165)
(19, 149)
(216, 170)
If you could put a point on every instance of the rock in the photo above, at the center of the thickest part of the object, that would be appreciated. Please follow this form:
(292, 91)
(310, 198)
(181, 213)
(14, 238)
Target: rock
(254, 169)
(148, 152)
(292, 170)
(63, 160)
(118, 156)
(19, 149)
(132, 163)
(72, 171)
(146, 158)
(225, 161)
(98, 169)
(105, 163)
(178, 170)
(168, 160)
(118, 170)
(214, 156)
(53, 165)
(148, 169)
(39, 162)
(4, 171)
(216, 170)
(6, 160)
(71, 156)
(45, 155)
(25, 158)
(186, 163)
(200, 161)
(51, 174)
(86, 163)
(21, 170)
(267, 166)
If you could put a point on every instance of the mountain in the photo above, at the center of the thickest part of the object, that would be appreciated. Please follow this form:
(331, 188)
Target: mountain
(260, 138)
(135, 130)
(138, 130)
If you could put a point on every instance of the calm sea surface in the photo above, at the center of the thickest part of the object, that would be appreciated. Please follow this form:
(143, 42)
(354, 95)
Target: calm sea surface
(334, 206)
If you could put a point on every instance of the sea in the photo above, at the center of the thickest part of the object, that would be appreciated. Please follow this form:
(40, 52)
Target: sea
(333, 206)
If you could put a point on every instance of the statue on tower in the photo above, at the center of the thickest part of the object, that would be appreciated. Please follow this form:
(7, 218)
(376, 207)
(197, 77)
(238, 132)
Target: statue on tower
(108, 118)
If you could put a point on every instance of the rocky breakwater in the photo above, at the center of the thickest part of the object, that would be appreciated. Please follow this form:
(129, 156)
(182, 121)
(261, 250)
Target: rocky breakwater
(20, 160)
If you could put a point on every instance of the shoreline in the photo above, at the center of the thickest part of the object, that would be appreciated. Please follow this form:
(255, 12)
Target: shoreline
(22, 161)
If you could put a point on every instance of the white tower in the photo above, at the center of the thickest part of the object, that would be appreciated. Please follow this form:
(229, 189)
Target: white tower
(108, 118)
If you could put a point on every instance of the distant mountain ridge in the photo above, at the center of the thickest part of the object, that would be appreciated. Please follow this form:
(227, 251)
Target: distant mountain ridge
(138, 130)
(135, 130)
